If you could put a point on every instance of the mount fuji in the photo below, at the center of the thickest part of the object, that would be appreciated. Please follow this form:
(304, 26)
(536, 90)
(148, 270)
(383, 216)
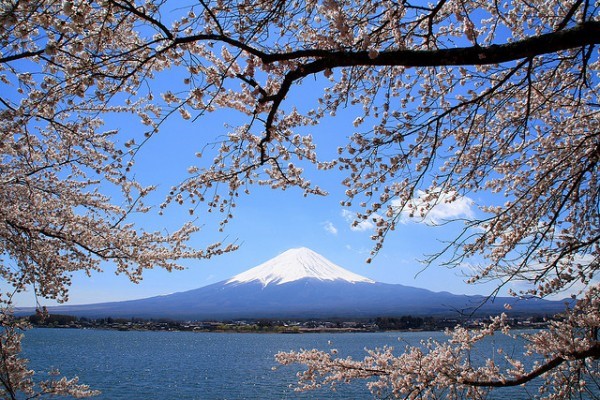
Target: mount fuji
(294, 265)
(301, 284)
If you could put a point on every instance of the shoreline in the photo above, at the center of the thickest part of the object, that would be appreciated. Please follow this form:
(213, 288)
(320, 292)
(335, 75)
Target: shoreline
(387, 324)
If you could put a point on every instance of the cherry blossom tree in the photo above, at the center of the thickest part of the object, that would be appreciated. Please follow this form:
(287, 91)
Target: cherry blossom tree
(449, 99)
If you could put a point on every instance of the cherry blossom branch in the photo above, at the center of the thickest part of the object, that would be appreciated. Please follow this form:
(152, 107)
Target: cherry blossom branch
(144, 16)
(584, 34)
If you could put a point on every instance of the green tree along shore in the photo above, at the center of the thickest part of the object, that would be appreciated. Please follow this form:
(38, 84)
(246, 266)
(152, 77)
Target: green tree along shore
(403, 323)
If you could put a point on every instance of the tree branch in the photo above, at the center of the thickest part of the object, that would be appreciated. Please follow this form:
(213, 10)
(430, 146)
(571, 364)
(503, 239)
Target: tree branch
(569, 15)
(587, 33)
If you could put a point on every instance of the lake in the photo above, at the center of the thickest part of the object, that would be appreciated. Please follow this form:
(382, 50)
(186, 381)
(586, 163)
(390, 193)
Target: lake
(187, 365)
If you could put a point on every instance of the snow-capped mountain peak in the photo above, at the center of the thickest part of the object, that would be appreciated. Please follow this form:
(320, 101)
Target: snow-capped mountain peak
(295, 264)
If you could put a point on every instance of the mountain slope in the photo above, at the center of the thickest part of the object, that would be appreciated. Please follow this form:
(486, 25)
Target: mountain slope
(302, 284)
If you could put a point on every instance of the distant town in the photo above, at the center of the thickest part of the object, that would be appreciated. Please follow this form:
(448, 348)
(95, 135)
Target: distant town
(404, 323)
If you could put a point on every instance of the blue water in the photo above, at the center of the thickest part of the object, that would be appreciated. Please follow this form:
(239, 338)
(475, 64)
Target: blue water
(187, 365)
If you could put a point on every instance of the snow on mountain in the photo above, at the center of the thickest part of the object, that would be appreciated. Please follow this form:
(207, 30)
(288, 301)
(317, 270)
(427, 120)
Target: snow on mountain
(296, 264)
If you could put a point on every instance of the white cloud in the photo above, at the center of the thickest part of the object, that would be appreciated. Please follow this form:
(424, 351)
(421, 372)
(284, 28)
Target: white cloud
(330, 228)
(448, 206)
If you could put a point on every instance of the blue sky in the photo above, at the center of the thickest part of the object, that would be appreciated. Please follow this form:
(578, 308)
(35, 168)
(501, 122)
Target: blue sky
(268, 222)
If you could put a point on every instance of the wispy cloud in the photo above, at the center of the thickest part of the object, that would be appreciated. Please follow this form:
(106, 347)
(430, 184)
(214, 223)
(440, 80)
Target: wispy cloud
(524, 282)
(330, 228)
(360, 251)
(365, 225)
(448, 206)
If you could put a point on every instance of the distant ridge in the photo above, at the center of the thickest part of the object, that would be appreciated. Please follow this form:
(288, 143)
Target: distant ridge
(301, 284)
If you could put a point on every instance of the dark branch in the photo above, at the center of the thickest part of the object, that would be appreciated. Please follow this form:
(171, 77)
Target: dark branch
(132, 9)
(587, 33)
(252, 82)
(25, 54)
